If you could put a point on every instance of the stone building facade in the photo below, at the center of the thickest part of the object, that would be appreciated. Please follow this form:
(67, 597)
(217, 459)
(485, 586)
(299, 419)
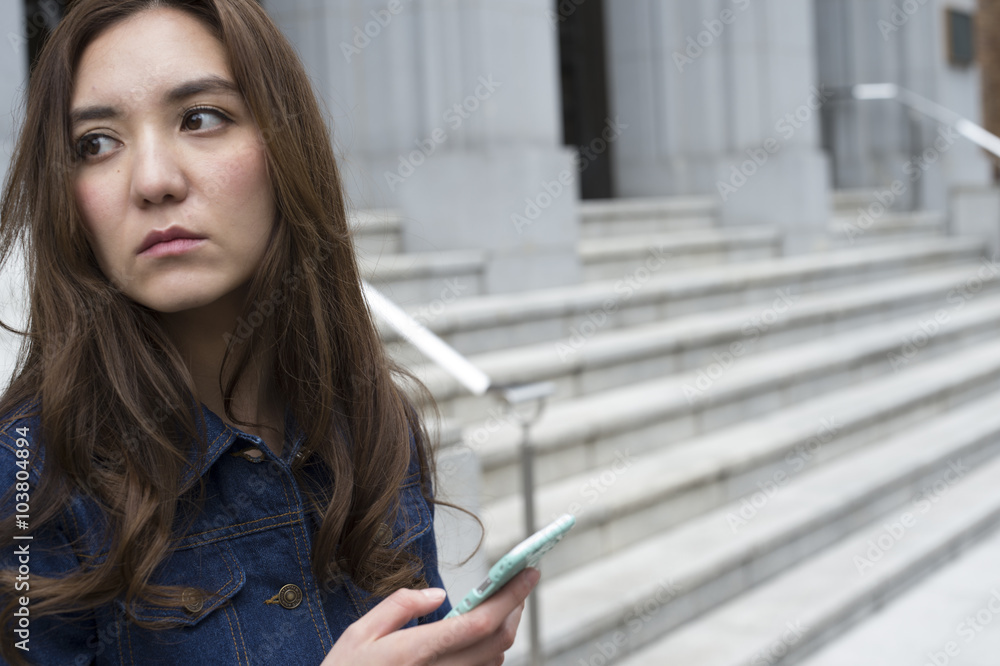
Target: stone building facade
(485, 122)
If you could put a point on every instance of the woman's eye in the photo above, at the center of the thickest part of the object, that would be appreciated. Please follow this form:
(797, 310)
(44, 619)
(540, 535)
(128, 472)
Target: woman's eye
(95, 145)
(90, 146)
(200, 119)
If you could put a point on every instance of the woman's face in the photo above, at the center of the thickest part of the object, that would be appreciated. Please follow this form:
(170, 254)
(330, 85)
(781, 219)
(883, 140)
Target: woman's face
(165, 140)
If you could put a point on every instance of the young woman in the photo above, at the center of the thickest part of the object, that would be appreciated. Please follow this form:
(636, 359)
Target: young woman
(207, 456)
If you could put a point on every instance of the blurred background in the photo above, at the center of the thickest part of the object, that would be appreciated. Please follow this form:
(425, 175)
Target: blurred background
(755, 305)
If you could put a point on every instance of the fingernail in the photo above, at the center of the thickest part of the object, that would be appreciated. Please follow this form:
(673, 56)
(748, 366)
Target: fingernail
(434, 593)
(533, 575)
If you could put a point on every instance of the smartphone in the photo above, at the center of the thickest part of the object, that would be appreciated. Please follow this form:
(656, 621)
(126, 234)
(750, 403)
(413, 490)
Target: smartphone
(525, 554)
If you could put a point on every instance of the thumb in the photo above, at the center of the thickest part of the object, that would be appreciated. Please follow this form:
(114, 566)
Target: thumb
(397, 609)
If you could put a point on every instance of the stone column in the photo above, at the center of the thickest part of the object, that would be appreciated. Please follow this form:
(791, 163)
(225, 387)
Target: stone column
(723, 100)
(449, 110)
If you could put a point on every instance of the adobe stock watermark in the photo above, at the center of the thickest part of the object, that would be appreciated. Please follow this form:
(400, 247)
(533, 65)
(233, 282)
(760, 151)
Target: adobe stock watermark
(457, 114)
(786, 127)
(265, 308)
(497, 417)
(106, 637)
(598, 484)
(893, 532)
(552, 190)
(928, 329)
(453, 288)
(564, 9)
(597, 318)
(968, 629)
(641, 614)
(695, 45)
(797, 459)
(899, 16)
(914, 170)
(44, 18)
(363, 36)
(751, 329)
(793, 632)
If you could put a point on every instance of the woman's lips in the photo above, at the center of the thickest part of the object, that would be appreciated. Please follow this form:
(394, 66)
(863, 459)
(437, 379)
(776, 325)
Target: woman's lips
(172, 248)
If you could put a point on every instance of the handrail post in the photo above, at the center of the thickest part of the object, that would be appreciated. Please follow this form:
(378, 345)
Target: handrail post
(512, 397)
(479, 383)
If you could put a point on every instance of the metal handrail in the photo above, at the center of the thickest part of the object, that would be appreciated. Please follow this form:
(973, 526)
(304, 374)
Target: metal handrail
(890, 91)
(421, 337)
(479, 383)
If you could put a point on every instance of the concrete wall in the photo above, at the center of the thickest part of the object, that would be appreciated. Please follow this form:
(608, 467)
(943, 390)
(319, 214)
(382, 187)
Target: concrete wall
(13, 72)
(13, 77)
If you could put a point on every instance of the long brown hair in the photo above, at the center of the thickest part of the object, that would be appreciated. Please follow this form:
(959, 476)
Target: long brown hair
(109, 384)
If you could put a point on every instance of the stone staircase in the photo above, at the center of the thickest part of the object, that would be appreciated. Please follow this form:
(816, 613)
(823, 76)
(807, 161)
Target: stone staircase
(760, 450)
(860, 216)
(412, 279)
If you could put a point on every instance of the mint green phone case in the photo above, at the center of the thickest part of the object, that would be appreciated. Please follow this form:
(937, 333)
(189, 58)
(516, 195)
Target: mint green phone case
(525, 554)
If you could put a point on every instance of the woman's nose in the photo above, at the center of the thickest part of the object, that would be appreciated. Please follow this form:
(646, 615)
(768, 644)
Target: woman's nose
(157, 172)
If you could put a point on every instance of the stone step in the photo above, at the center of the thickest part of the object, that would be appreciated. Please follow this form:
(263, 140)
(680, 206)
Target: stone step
(853, 229)
(375, 232)
(594, 360)
(499, 321)
(425, 282)
(619, 504)
(586, 433)
(612, 258)
(817, 599)
(378, 231)
(602, 218)
(947, 619)
(638, 595)
(417, 279)
(848, 201)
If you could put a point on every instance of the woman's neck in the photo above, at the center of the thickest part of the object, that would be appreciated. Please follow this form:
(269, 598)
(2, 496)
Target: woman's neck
(200, 335)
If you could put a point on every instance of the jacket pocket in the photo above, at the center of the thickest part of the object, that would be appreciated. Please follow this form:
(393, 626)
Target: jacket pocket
(205, 629)
(211, 575)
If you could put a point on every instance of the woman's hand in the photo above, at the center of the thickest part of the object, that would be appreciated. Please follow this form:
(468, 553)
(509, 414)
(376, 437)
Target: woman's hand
(480, 636)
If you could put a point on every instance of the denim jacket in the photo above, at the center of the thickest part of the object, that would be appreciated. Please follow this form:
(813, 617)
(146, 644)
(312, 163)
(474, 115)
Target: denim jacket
(250, 546)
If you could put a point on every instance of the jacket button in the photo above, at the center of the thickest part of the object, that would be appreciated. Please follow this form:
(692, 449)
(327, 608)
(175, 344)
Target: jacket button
(384, 535)
(290, 596)
(193, 600)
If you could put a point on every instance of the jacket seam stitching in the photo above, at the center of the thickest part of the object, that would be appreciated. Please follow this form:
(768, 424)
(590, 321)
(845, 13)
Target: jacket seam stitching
(305, 582)
(239, 629)
(248, 522)
(232, 634)
(216, 539)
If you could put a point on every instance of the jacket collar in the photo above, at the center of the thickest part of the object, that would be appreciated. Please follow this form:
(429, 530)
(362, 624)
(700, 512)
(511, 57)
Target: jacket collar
(221, 436)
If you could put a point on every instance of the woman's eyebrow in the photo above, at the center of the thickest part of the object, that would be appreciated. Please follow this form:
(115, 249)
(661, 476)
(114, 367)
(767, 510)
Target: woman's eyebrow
(207, 84)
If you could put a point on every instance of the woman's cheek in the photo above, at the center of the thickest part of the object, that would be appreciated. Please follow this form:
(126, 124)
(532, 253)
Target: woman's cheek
(92, 204)
(240, 193)
(244, 176)
(98, 214)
